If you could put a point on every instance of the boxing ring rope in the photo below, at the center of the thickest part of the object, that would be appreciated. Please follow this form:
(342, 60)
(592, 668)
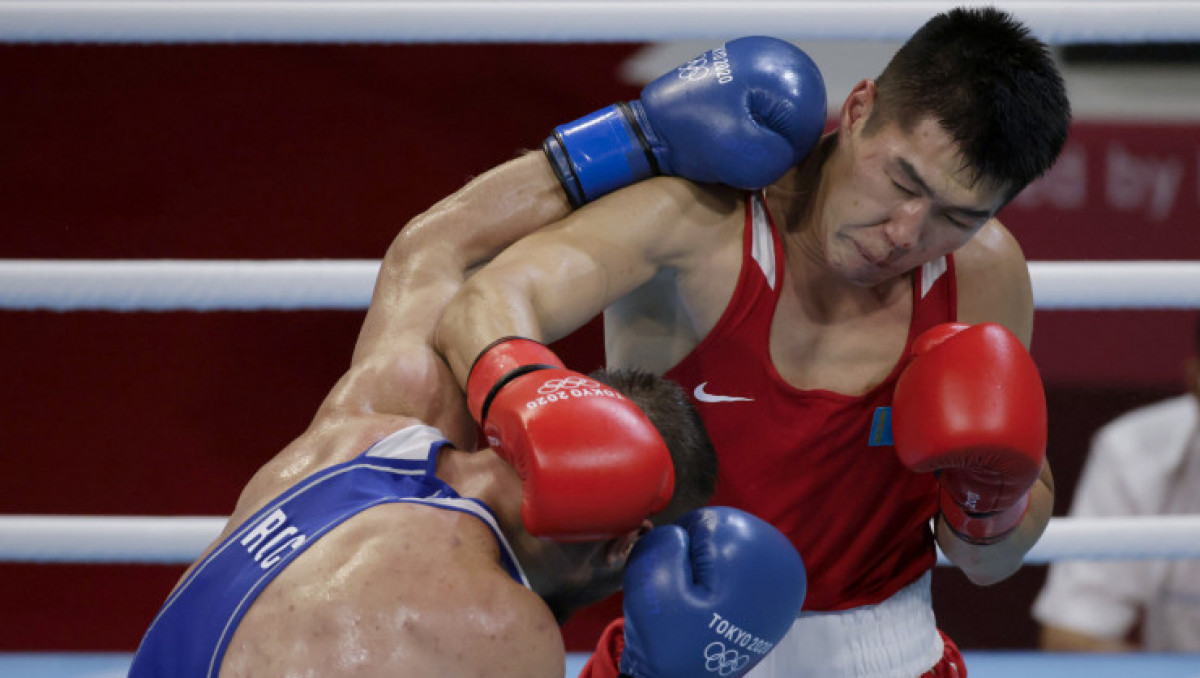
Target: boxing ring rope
(210, 285)
(180, 540)
(163, 285)
(476, 21)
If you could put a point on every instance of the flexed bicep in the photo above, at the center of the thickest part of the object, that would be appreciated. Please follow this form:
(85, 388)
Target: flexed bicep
(394, 369)
(429, 258)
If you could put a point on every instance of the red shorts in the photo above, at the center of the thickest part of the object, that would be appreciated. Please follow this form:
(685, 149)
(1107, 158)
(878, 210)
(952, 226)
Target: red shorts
(951, 666)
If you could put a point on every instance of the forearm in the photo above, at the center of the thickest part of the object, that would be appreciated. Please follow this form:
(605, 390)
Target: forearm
(541, 296)
(556, 280)
(989, 564)
(477, 316)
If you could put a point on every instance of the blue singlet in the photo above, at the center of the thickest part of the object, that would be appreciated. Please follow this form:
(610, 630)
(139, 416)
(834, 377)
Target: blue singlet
(189, 636)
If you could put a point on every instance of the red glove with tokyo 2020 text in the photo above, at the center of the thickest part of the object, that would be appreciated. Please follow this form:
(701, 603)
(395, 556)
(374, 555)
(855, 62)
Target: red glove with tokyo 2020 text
(592, 465)
(971, 407)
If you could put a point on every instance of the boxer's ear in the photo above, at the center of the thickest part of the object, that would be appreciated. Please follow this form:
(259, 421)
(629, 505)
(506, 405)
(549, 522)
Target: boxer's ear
(858, 105)
(619, 549)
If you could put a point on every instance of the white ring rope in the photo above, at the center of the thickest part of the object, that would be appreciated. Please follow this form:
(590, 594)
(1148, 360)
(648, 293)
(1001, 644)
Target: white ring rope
(1060, 285)
(180, 540)
(106, 539)
(173, 285)
(179, 285)
(575, 21)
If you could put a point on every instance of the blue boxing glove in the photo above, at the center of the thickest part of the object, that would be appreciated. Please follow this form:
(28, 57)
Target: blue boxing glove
(709, 595)
(740, 115)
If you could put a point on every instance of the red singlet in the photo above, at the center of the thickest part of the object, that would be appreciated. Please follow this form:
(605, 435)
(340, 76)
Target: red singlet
(816, 464)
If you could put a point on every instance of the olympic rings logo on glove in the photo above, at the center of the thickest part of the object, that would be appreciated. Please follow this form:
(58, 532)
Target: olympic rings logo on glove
(696, 69)
(721, 661)
(556, 385)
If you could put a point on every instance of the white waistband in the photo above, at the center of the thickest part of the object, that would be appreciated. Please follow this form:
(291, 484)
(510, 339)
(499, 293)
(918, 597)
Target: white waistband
(897, 638)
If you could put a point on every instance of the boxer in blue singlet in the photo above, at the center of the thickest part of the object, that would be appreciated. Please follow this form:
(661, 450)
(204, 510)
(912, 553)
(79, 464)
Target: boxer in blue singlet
(379, 542)
(194, 627)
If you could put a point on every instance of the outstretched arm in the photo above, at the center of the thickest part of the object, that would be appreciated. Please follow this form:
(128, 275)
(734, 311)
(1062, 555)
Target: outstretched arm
(570, 438)
(394, 369)
(394, 373)
(554, 281)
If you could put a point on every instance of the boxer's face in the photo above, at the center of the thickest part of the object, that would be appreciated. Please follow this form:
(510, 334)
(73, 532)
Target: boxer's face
(572, 575)
(899, 198)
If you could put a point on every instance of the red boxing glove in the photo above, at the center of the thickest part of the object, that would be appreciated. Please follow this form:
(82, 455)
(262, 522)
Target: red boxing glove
(971, 406)
(592, 465)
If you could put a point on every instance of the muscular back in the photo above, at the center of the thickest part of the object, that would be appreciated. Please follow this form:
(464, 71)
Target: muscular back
(401, 590)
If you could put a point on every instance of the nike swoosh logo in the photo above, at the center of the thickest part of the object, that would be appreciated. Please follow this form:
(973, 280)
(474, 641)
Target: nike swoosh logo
(706, 397)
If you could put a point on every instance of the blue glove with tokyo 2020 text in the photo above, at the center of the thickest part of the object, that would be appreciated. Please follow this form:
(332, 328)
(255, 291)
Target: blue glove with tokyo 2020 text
(709, 595)
(740, 115)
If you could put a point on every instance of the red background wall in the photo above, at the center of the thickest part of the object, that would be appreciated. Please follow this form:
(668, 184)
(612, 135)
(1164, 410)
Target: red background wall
(324, 152)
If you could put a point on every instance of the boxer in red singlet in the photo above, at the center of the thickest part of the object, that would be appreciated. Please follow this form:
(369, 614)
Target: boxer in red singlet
(808, 317)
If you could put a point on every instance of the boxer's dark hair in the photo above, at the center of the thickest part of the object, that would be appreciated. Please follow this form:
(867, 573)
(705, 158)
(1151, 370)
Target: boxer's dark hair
(668, 408)
(993, 87)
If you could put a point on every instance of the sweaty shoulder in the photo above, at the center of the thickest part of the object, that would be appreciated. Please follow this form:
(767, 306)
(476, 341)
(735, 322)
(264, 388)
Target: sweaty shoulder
(406, 589)
(676, 217)
(501, 628)
(993, 281)
(510, 631)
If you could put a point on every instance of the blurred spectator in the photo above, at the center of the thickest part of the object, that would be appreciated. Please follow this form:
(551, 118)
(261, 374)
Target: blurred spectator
(1145, 462)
